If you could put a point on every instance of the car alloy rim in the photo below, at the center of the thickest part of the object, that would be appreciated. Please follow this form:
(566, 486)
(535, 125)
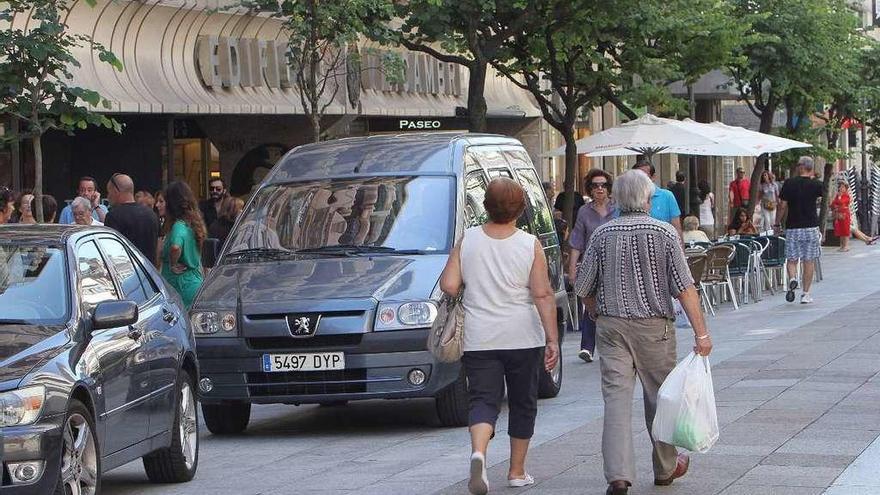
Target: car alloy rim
(79, 461)
(189, 432)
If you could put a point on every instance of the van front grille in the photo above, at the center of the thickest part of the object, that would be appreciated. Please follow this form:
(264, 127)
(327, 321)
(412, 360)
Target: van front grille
(307, 382)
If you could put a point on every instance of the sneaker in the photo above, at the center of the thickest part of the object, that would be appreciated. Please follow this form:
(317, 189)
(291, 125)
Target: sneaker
(479, 482)
(792, 285)
(521, 482)
(806, 298)
(586, 355)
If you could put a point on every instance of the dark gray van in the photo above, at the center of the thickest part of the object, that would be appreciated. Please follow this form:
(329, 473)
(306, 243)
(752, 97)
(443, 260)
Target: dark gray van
(326, 288)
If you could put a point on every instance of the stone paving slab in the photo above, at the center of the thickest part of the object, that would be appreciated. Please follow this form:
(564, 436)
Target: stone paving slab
(791, 381)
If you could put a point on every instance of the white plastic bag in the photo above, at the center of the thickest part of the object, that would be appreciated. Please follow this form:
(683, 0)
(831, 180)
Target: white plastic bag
(686, 415)
(681, 318)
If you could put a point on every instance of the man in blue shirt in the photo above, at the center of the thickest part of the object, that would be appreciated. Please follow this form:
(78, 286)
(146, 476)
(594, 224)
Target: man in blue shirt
(664, 207)
(88, 189)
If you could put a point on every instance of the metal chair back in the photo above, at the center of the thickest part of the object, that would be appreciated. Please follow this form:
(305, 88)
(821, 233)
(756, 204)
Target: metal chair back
(717, 260)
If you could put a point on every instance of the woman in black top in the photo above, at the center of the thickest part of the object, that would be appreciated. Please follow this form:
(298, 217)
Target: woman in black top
(230, 208)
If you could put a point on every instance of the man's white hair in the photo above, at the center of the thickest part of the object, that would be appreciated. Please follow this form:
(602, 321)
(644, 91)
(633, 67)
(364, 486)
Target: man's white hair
(806, 162)
(81, 202)
(633, 191)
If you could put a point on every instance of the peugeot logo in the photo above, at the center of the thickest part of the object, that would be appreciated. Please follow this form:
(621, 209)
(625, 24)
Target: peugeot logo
(303, 326)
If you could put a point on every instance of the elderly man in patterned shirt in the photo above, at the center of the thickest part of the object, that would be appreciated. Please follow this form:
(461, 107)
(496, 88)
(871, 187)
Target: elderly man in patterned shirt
(633, 267)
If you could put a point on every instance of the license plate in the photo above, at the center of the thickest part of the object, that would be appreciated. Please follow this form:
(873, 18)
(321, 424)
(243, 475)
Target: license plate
(319, 361)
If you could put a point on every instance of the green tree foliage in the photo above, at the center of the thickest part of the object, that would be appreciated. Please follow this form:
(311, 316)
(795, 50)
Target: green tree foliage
(322, 35)
(35, 65)
(799, 55)
(466, 32)
(576, 55)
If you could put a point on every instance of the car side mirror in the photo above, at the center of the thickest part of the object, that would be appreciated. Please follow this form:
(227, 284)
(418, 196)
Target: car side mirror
(114, 314)
(210, 249)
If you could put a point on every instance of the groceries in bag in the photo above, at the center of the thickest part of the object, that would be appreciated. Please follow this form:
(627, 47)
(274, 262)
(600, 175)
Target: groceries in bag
(686, 415)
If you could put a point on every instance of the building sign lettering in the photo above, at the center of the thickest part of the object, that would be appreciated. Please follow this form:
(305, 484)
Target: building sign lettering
(406, 124)
(225, 62)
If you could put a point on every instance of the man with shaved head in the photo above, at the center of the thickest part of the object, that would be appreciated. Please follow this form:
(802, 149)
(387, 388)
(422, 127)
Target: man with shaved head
(136, 222)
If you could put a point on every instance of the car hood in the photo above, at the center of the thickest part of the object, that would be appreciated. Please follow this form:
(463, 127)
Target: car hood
(23, 347)
(391, 278)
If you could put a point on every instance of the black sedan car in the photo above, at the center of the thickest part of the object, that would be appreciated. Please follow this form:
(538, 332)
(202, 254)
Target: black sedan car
(97, 363)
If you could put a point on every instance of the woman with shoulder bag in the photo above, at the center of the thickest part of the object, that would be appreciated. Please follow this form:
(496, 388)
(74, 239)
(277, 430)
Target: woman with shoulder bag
(509, 323)
(769, 198)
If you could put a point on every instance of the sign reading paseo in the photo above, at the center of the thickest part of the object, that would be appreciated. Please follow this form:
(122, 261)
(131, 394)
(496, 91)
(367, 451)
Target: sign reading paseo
(411, 125)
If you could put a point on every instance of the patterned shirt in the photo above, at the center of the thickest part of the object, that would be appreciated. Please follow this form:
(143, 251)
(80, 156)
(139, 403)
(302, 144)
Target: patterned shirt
(634, 266)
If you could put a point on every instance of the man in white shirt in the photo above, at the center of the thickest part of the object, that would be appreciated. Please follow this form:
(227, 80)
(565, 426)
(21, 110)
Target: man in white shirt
(81, 209)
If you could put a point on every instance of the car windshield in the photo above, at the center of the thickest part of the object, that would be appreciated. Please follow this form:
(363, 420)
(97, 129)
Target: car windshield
(350, 216)
(33, 285)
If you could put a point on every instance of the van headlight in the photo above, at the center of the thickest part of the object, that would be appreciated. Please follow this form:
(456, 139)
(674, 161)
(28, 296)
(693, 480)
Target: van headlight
(219, 323)
(21, 407)
(407, 315)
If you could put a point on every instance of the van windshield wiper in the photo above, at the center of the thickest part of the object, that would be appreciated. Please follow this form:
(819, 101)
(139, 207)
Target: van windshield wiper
(13, 321)
(350, 249)
(273, 253)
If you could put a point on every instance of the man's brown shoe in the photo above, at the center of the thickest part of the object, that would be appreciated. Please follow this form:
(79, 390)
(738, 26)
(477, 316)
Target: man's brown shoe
(617, 488)
(681, 468)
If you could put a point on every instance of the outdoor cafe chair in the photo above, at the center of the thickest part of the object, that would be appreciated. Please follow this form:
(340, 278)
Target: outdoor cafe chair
(697, 264)
(717, 271)
(740, 268)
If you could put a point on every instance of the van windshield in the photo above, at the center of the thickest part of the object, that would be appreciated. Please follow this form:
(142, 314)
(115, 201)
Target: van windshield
(381, 214)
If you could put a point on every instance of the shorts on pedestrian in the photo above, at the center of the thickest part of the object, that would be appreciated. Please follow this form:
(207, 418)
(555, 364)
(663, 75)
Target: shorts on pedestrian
(487, 372)
(803, 244)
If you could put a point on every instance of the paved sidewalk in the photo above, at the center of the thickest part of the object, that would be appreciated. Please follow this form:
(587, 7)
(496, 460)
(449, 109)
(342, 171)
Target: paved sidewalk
(797, 399)
(795, 410)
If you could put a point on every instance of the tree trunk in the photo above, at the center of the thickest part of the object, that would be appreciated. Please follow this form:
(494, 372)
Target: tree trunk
(760, 163)
(315, 120)
(476, 101)
(571, 169)
(826, 183)
(38, 178)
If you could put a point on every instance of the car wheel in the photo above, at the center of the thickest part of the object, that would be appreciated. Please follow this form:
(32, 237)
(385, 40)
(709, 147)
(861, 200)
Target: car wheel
(452, 403)
(80, 459)
(178, 462)
(227, 418)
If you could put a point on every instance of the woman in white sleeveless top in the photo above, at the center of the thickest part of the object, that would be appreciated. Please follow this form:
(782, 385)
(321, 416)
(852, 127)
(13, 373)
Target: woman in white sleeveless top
(510, 321)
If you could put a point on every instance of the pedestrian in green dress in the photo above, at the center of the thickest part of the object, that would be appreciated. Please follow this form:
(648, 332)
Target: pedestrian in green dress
(185, 232)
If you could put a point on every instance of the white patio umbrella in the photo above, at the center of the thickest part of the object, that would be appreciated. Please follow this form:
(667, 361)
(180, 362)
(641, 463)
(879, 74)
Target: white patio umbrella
(647, 135)
(736, 141)
(650, 135)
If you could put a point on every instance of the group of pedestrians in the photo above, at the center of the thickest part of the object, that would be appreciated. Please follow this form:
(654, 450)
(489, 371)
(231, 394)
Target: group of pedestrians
(169, 226)
(627, 263)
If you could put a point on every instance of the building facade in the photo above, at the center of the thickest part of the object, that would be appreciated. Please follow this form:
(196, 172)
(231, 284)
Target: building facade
(208, 92)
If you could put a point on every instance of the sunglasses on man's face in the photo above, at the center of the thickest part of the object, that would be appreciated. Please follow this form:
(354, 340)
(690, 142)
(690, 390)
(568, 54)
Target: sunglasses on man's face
(598, 185)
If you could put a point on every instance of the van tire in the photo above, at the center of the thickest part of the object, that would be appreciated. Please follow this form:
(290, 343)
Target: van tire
(548, 387)
(452, 403)
(228, 418)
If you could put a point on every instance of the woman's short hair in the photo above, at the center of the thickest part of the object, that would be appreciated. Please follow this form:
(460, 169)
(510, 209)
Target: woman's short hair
(633, 191)
(505, 200)
(230, 207)
(691, 223)
(50, 208)
(592, 174)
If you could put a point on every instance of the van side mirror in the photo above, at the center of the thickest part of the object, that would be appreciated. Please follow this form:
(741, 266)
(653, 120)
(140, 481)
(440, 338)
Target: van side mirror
(210, 250)
(114, 314)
